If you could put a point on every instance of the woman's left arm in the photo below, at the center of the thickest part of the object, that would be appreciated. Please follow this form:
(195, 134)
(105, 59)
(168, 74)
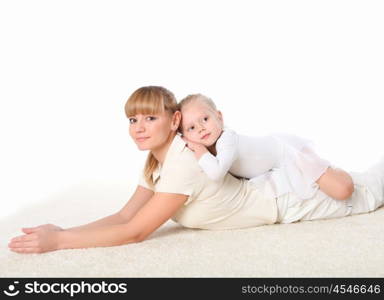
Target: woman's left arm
(152, 215)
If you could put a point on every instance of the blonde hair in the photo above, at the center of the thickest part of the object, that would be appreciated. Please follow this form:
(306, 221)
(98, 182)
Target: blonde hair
(197, 97)
(149, 100)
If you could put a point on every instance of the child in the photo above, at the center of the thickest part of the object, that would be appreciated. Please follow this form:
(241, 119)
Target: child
(220, 150)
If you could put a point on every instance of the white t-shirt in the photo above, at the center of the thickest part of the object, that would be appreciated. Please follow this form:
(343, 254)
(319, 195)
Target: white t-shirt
(228, 203)
(296, 163)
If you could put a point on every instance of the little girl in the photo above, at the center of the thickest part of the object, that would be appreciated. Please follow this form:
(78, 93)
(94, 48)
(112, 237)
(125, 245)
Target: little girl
(220, 150)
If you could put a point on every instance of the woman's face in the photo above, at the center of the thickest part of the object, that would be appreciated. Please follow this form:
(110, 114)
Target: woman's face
(201, 124)
(151, 132)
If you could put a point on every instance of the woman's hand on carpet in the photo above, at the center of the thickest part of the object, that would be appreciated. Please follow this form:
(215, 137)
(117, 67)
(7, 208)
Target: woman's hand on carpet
(38, 239)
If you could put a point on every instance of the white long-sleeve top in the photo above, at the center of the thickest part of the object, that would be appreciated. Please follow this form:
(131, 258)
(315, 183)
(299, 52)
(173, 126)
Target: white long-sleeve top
(292, 159)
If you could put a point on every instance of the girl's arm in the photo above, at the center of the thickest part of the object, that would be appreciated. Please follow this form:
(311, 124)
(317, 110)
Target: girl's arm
(217, 166)
(152, 215)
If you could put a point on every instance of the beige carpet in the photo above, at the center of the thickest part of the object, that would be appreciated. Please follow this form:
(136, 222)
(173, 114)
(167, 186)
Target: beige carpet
(345, 247)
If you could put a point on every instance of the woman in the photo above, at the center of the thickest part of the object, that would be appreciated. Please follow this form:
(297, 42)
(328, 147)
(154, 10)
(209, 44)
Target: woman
(173, 186)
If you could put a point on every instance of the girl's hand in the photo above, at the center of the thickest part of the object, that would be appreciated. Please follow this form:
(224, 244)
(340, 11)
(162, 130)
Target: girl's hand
(38, 239)
(199, 149)
(192, 145)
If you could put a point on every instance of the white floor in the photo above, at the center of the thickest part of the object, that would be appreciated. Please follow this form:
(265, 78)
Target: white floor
(345, 247)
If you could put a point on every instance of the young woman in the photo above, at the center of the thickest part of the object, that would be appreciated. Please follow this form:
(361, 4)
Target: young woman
(174, 186)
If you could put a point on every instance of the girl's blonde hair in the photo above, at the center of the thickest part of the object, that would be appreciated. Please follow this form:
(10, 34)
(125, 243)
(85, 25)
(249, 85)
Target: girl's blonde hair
(197, 97)
(150, 100)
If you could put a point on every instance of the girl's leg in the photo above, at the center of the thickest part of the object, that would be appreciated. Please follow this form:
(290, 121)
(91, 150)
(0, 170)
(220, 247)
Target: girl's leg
(336, 183)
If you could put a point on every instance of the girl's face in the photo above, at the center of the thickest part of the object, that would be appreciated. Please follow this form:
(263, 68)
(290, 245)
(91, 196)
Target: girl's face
(201, 124)
(151, 132)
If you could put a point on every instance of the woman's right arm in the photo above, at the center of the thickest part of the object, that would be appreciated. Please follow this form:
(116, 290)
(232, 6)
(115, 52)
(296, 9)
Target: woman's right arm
(139, 198)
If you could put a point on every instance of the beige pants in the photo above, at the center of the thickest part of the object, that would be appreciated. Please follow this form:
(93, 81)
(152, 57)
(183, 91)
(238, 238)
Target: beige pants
(367, 196)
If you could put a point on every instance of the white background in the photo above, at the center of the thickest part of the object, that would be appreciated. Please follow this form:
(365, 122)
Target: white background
(311, 68)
